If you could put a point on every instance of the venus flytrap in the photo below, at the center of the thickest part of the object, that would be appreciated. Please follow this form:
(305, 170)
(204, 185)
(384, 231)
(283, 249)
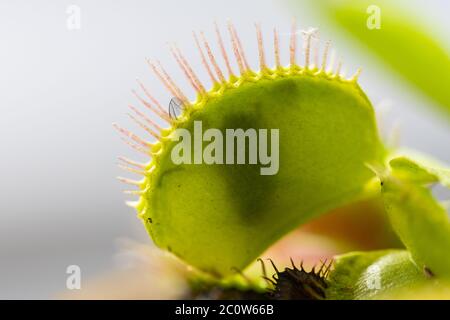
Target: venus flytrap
(221, 217)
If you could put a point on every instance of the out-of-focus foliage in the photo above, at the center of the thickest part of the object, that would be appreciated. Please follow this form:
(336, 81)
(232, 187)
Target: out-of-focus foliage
(420, 221)
(366, 275)
(423, 225)
(402, 41)
(414, 167)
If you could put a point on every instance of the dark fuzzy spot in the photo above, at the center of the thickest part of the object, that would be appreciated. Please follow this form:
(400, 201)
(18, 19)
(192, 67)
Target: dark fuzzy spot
(428, 272)
(291, 284)
(297, 284)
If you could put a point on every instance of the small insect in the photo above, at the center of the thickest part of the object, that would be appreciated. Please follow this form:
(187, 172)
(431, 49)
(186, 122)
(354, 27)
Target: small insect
(176, 106)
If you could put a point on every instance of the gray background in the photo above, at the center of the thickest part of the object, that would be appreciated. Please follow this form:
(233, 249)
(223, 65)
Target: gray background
(60, 91)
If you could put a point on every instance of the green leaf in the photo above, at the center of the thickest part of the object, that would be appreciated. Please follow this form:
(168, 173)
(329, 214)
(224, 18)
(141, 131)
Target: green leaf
(367, 275)
(421, 223)
(414, 167)
(406, 47)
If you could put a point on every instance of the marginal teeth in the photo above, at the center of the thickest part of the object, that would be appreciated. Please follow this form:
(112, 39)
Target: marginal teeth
(293, 43)
(134, 192)
(262, 60)
(356, 75)
(325, 56)
(212, 58)
(184, 65)
(132, 204)
(141, 172)
(132, 162)
(132, 136)
(223, 51)
(143, 126)
(164, 77)
(307, 36)
(202, 55)
(276, 46)
(236, 52)
(149, 106)
(129, 181)
(240, 50)
(143, 116)
(152, 99)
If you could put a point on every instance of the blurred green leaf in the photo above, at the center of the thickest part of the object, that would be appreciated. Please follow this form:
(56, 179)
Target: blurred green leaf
(401, 42)
(421, 223)
(419, 169)
(367, 275)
